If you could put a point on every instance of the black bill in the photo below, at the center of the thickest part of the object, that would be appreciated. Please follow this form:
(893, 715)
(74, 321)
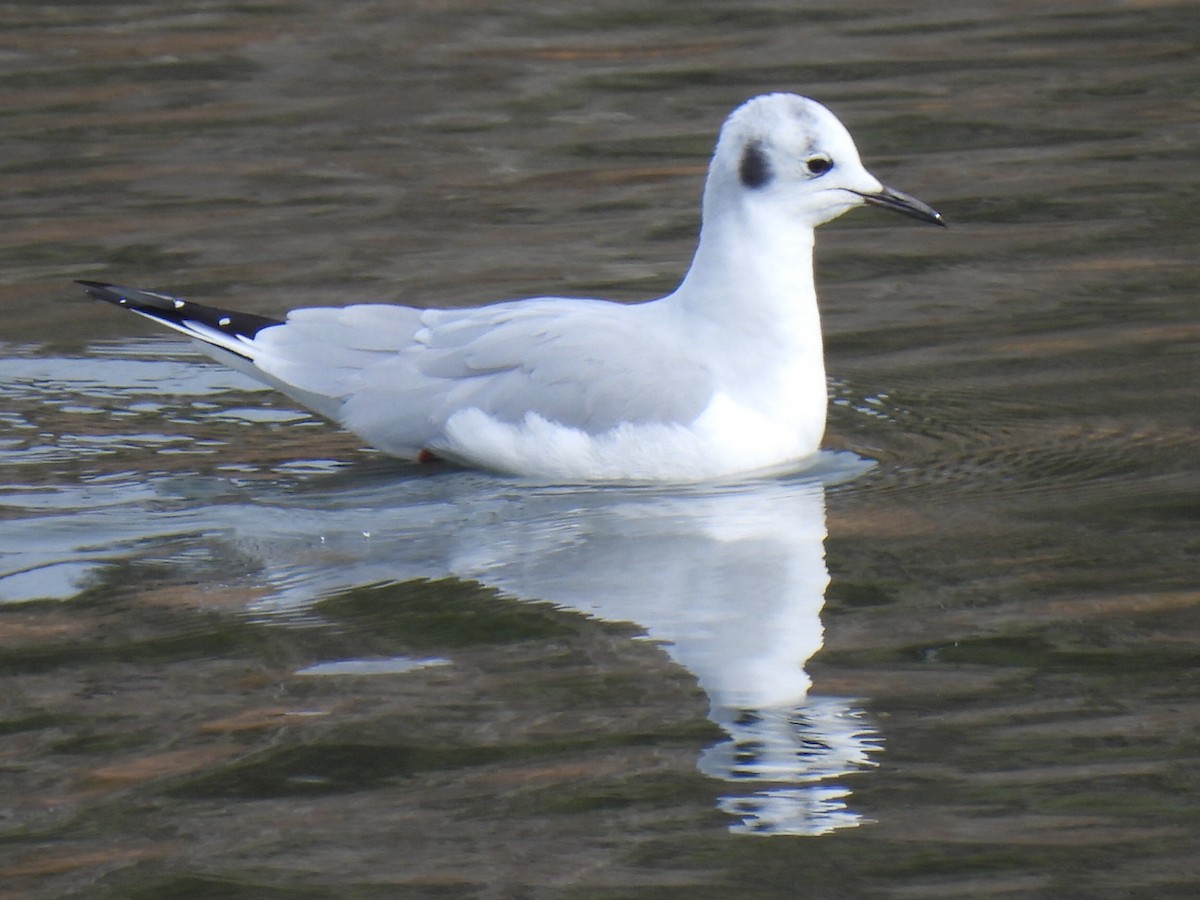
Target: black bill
(900, 202)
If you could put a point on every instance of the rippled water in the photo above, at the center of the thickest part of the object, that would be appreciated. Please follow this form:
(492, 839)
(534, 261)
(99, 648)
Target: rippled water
(242, 656)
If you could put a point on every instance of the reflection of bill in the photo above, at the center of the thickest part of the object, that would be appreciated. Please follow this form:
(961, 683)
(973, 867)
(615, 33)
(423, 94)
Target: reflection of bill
(729, 579)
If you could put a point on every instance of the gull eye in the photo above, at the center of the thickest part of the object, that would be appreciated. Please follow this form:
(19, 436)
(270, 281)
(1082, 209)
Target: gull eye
(818, 165)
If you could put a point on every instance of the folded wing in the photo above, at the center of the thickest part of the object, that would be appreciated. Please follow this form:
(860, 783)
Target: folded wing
(395, 375)
(399, 374)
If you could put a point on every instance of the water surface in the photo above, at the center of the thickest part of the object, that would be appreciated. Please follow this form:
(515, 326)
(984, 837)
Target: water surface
(242, 656)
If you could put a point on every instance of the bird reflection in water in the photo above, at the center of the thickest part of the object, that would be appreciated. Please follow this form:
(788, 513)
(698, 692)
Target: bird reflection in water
(729, 579)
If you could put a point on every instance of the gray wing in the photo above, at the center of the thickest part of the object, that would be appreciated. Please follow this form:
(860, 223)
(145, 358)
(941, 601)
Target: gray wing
(587, 365)
(399, 373)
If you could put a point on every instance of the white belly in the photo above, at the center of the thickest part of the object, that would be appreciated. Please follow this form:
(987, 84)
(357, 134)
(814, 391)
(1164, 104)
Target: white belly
(726, 439)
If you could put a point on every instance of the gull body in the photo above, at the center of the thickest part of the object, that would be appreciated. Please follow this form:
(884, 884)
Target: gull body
(723, 377)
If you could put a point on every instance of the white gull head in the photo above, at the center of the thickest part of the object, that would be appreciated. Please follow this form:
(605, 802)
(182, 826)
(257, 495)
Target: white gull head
(791, 154)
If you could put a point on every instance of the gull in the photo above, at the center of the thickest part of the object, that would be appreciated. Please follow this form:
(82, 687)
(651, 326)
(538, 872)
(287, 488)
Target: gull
(722, 378)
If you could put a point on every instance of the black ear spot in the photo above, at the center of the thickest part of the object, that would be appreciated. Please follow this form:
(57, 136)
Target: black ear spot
(754, 170)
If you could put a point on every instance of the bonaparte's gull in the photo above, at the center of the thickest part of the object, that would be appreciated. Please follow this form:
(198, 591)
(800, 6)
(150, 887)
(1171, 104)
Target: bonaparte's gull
(724, 376)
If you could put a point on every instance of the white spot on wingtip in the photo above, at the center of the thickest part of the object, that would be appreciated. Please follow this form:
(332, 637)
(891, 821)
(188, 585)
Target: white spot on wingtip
(178, 304)
(224, 321)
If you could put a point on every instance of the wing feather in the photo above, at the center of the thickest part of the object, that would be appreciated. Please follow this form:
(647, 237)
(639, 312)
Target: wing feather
(395, 375)
(590, 365)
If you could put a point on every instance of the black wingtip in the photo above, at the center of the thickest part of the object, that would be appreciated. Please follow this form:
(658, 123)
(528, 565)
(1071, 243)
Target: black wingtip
(108, 293)
(101, 291)
(127, 296)
(176, 311)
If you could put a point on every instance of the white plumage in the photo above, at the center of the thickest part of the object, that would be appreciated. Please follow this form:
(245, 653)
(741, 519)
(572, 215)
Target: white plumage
(724, 376)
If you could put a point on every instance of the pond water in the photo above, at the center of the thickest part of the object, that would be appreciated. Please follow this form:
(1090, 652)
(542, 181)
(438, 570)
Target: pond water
(242, 656)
